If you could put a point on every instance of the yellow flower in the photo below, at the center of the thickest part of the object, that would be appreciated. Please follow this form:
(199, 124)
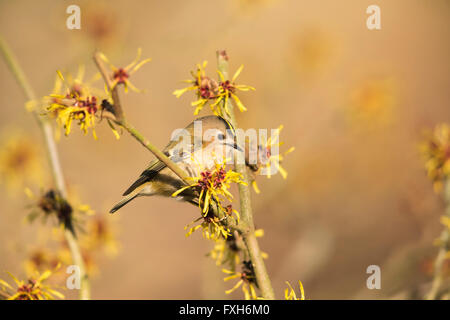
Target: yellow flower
(76, 86)
(205, 87)
(209, 91)
(436, 152)
(289, 293)
(213, 188)
(19, 161)
(247, 280)
(40, 259)
(213, 185)
(82, 111)
(227, 89)
(269, 161)
(67, 87)
(32, 289)
(122, 75)
(212, 227)
(74, 102)
(100, 235)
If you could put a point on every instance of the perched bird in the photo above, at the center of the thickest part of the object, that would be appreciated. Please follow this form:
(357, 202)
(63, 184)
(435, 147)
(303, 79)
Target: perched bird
(193, 150)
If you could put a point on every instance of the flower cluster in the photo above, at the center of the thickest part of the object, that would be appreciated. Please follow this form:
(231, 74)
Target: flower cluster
(34, 288)
(213, 186)
(436, 151)
(214, 92)
(213, 228)
(73, 100)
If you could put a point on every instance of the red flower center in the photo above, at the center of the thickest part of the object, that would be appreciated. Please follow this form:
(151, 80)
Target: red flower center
(228, 86)
(121, 75)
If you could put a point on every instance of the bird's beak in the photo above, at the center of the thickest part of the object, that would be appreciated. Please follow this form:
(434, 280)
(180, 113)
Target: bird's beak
(237, 147)
(234, 145)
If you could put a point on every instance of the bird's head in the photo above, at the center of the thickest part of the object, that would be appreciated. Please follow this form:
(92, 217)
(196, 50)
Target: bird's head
(210, 138)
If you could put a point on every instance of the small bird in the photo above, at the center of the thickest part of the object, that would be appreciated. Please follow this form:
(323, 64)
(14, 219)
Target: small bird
(197, 153)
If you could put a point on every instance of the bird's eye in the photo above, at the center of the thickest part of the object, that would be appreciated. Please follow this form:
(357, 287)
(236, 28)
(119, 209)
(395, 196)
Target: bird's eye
(221, 136)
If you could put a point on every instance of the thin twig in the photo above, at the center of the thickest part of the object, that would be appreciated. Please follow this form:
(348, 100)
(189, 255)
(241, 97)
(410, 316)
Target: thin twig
(247, 224)
(53, 157)
(444, 240)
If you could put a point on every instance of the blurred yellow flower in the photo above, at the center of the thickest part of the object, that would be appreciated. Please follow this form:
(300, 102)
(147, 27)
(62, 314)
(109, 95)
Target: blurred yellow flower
(312, 51)
(226, 251)
(373, 101)
(19, 161)
(41, 259)
(436, 152)
(100, 234)
(101, 24)
(446, 221)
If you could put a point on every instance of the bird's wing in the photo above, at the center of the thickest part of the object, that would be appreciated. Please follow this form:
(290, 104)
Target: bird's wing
(155, 167)
(147, 175)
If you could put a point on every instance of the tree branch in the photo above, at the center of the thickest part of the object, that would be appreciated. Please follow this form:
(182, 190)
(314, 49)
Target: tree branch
(247, 225)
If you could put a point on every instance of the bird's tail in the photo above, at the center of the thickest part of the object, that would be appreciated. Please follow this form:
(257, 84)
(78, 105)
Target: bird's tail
(123, 202)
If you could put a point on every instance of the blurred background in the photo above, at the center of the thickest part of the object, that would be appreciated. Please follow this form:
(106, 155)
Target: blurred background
(354, 103)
